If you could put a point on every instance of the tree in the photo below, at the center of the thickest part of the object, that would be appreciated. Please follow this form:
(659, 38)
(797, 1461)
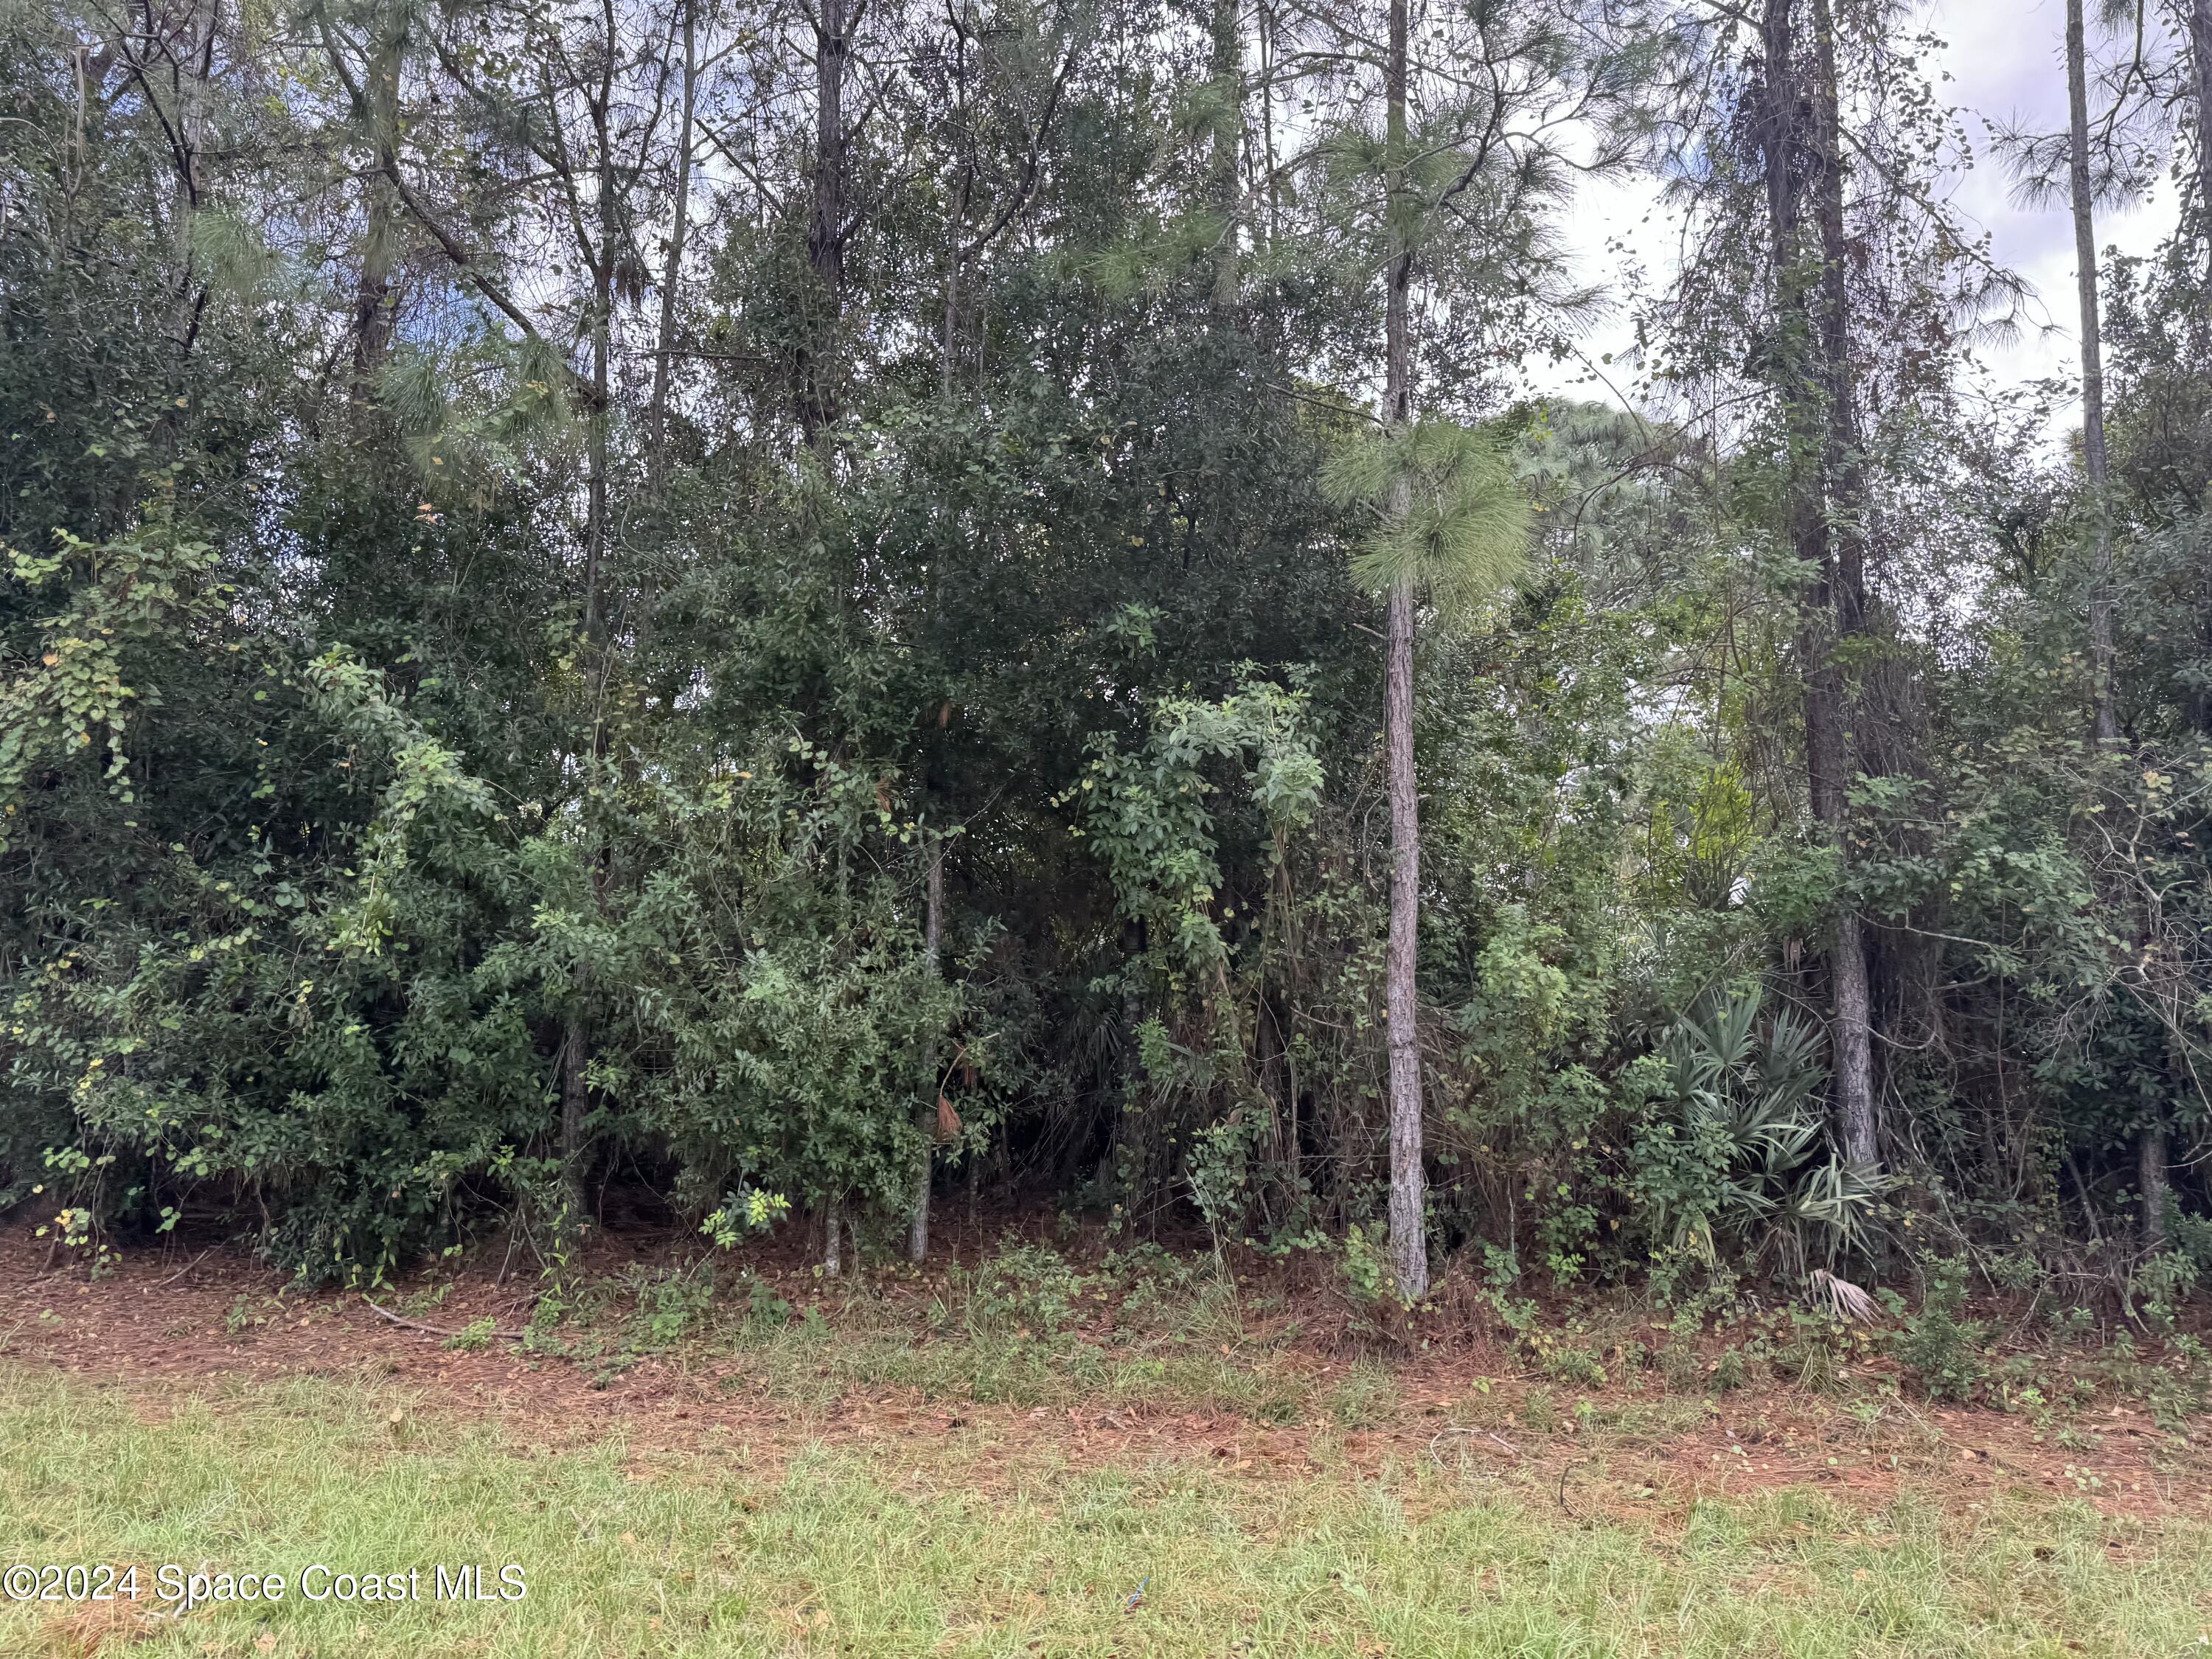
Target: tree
(1453, 531)
(2103, 725)
(1803, 149)
(646, 608)
(1457, 181)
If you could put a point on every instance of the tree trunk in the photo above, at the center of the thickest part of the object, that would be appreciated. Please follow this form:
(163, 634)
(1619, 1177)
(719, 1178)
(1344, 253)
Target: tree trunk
(1843, 488)
(190, 66)
(2200, 75)
(1409, 1250)
(933, 947)
(1824, 487)
(1269, 171)
(672, 277)
(1227, 75)
(2200, 80)
(574, 1102)
(826, 228)
(2096, 467)
(2156, 1185)
(2104, 723)
(373, 304)
(833, 1237)
(603, 305)
(1409, 1245)
(602, 263)
(933, 915)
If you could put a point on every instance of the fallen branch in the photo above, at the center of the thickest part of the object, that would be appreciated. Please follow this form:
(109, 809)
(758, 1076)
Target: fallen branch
(186, 1268)
(441, 1330)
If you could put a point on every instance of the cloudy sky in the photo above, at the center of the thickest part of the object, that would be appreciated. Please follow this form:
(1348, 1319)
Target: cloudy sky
(2002, 59)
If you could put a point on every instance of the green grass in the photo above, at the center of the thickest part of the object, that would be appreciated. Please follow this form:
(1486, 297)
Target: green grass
(945, 1548)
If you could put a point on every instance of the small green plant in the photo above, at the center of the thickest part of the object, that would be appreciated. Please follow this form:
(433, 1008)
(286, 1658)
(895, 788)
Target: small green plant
(744, 1212)
(670, 1307)
(1540, 1413)
(1939, 1347)
(1023, 1290)
(1681, 1367)
(765, 1310)
(1367, 1281)
(2023, 1390)
(2178, 1390)
(1738, 1161)
(1729, 1370)
(1813, 1351)
(472, 1338)
(1480, 1407)
(1577, 1367)
(2157, 1289)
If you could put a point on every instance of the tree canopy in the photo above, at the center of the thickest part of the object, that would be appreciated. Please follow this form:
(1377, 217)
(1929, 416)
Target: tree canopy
(778, 607)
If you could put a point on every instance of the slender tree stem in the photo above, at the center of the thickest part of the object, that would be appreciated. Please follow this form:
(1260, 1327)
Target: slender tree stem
(672, 279)
(2104, 723)
(1409, 1246)
(932, 947)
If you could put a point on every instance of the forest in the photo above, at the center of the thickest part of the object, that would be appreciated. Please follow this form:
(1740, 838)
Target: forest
(797, 615)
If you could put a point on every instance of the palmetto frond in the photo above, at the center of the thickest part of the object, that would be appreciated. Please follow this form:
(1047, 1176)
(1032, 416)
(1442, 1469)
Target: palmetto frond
(1452, 520)
(1749, 1086)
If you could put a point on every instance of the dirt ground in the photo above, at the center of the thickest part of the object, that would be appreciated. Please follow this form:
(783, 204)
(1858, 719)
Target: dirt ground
(164, 1324)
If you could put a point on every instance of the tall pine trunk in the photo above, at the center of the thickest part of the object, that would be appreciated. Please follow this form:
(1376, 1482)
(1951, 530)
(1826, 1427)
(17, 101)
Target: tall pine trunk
(2096, 468)
(2200, 83)
(1409, 1245)
(1801, 142)
(576, 1150)
(2200, 79)
(826, 228)
(373, 303)
(1844, 491)
(680, 232)
(1227, 75)
(2104, 724)
(2201, 86)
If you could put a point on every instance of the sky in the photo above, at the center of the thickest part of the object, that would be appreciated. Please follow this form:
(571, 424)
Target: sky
(2001, 59)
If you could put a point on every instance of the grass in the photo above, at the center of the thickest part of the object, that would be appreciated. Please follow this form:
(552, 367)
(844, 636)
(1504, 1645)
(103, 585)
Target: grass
(956, 1547)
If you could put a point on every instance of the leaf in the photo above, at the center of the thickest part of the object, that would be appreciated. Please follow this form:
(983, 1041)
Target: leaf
(948, 1120)
(1451, 519)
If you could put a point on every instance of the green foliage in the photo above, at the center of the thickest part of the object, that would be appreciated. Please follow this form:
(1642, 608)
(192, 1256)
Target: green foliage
(473, 1338)
(753, 1211)
(499, 711)
(1452, 518)
(1940, 1345)
(1733, 1159)
(1146, 815)
(120, 597)
(1026, 1290)
(1368, 1281)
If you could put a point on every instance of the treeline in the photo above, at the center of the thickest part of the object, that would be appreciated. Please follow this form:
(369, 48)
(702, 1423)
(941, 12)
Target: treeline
(810, 607)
